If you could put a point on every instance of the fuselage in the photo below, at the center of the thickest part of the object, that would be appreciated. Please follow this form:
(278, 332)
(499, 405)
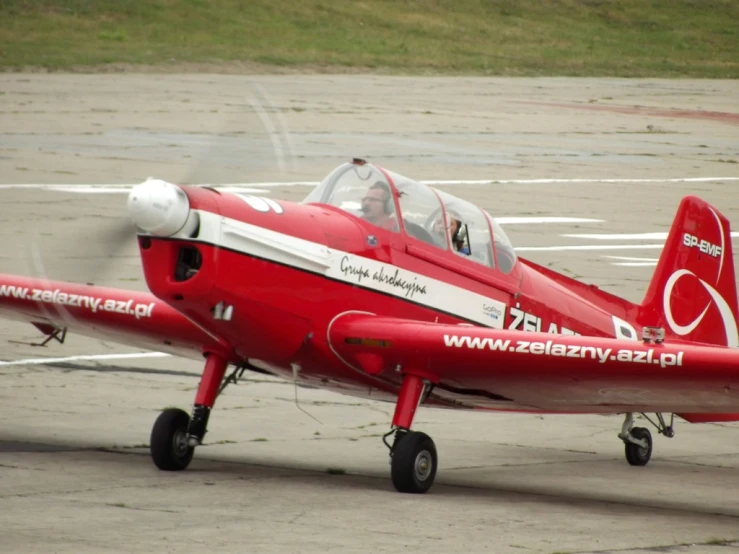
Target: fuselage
(269, 277)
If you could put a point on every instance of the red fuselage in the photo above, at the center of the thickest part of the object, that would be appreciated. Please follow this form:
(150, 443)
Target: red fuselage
(282, 272)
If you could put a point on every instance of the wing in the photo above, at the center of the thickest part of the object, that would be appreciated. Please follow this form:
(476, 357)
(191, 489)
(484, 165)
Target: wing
(544, 371)
(122, 316)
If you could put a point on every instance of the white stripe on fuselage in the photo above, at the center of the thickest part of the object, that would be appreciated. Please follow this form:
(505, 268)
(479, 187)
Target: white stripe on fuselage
(351, 269)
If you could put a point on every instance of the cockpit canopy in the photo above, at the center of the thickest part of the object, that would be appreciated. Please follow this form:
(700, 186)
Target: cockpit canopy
(401, 205)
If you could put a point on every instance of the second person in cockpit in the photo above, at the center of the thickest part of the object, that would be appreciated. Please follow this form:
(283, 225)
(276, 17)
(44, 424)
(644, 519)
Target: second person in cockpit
(457, 232)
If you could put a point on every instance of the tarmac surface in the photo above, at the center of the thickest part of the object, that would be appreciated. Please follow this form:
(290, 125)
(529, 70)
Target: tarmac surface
(75, 475)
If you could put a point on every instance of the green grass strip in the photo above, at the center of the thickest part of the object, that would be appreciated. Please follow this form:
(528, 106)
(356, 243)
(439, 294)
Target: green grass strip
(626, 38)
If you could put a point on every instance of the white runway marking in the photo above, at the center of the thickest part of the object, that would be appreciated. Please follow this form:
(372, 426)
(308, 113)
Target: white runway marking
(588, 247)
(635, 264)
(258, 187)
(41, 361)
(632, 259)
(121, 189)
(565, 181)
(515, 220)
(633, 236)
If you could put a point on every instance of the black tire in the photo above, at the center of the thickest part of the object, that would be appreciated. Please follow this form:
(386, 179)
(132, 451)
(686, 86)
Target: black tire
(635, 454)
(414, 461)
(168, 444)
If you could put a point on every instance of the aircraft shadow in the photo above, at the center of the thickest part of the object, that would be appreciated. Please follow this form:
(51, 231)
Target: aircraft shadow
(613, 498)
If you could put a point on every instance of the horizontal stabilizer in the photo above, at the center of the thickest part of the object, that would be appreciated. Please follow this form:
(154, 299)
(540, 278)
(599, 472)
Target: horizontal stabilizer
(709, 418)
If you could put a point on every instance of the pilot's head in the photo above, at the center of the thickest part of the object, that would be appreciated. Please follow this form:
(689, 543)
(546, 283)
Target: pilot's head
(377, 202)
(453, 227)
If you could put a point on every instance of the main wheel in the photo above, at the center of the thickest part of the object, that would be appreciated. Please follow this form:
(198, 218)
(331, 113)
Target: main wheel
(635, 454)
(169, 448)
(413, 465)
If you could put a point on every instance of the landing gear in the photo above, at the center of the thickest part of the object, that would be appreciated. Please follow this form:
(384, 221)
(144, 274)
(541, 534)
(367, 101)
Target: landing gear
(175, 434)
(638, 453)
(413, 462)
(413, 458)
(638, 440)
(169, 446)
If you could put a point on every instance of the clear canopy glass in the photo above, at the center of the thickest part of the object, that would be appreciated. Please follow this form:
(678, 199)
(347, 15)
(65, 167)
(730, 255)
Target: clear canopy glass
(397, 203)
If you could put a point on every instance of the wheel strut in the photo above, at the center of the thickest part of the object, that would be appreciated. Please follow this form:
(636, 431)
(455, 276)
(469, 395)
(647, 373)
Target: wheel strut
(409, 397)
(662, 428)
(210, 383)
(413, 458)
(176, 434)
(411, 393)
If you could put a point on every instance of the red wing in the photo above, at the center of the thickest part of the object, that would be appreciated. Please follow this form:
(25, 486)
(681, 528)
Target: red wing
(126, 317)
(545, 371)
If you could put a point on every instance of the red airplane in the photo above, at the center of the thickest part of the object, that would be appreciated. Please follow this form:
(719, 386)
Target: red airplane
(380, 287)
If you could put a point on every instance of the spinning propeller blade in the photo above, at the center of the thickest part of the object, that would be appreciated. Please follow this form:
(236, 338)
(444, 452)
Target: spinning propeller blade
(106, 241)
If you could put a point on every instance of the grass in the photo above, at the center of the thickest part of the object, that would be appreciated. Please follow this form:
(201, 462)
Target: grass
(719, 542)
(634, 38)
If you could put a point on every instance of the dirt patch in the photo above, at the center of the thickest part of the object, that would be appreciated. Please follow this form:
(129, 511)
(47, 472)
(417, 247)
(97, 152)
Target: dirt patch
(722, 117)
(218, 67)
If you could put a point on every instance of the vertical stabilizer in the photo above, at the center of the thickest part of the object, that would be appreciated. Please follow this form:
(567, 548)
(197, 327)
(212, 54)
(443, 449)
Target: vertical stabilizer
(693, 292)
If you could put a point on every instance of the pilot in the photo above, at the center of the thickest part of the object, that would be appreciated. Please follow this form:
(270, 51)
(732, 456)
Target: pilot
(459, 232)
(456, 230)
(378, 207)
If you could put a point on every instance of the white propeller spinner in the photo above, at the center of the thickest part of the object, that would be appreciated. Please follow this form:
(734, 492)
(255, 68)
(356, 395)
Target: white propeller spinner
(159, 207)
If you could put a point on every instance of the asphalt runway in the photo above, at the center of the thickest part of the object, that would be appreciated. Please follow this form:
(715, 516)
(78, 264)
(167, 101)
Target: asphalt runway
(617, 155)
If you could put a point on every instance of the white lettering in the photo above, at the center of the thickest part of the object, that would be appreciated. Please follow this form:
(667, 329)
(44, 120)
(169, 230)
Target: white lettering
(667, 358)
(703, 246)
(517, 316)
(551, 348)
(523, 346)
(60, 298)
(537, 348)
(531, 323)
(559, 350)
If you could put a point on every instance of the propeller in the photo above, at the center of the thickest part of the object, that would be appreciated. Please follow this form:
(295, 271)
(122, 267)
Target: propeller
(162, 208)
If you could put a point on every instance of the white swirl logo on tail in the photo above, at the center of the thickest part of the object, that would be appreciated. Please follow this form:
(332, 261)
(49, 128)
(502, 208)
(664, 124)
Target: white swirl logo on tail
(732, 333)
(727, 316)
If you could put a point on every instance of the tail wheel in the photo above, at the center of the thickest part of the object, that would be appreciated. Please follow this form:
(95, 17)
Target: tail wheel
(169, 445)
(413, 464)
(638, 455)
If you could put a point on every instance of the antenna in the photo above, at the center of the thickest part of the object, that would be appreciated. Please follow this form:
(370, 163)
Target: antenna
(296, 371)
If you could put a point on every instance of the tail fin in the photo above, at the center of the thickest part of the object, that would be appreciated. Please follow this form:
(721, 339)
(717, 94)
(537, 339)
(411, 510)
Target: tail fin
(693, 292)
